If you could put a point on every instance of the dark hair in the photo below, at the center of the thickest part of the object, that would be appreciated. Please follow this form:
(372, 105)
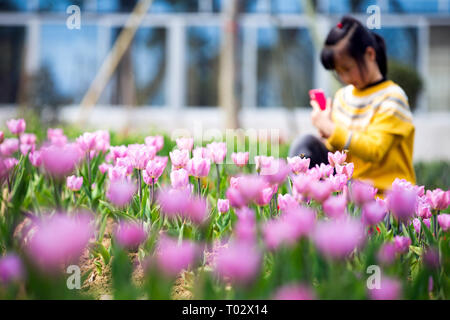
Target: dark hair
(357, 38)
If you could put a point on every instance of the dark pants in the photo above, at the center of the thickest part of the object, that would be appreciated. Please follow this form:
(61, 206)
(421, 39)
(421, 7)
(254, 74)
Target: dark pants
(311, 147)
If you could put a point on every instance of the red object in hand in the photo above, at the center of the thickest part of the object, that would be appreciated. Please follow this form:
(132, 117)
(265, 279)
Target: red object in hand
(319, 96)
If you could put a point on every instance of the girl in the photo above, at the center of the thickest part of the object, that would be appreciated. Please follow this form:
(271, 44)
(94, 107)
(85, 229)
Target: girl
(370, 117)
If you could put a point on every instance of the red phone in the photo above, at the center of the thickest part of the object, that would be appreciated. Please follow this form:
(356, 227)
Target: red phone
(319, 96)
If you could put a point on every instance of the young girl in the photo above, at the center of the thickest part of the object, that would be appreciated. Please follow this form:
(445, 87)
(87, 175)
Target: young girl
(370, 117)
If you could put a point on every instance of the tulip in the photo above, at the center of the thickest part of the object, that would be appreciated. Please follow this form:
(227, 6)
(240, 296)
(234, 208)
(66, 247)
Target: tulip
(373, 212)
(324, 170)
(417, 225)
(155, 141)
(223, 205)
(335, 206)
(444, 221)
(126, 163)
(235, 198)
(362, 192)
(240, 159)
(9, 146)
(286, 202)
(345, 169)
(337, 158)
(201, 152)
(16, 126)
(117, 173)
(294, 292)
(118, 152)
(154, 170)
(402, 203)
(402, 244)
(102, 140)
(302, 183)
(140, 154)
(60, 239)
(56, 137)
(179, 179)
(217, 151)
(130, 235)
(173, 257)
(320, 190)
(121, 191)
(338, 238)
(173, 201)
(423, 208)
(390, 289)
(59, 161)
(198, 167)
(87, 141)
(35, 158)
(387, 252)
(298, 164)
(239, 262)
(11, 269)
(263, 162)
(437, 199)
(74, 183)
(196, 210)
(179, 158)
(185, 143)
(276, 172)
(104, 167)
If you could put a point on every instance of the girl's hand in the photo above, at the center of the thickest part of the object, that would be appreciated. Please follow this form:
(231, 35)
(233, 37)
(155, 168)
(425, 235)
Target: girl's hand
(322, 119)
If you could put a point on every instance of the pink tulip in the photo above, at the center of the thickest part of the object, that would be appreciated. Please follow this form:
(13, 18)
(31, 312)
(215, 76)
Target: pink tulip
(201, 152)
(59, 161)
(74, 183)
(387, 253)
(294, 292)
(427, 222)
(302, 183)
(338, 182)
(373, 212)
(345, 169)
(126, 163)
(263, 162)
(198, 167)
(324, 170)
(60, 239)
(437, 199)
(10, 163)
(179, 179)
(240, 159)
(335, 206)
(9, 146)
(196, 210)
(444, 221)
(245, 227)
(56, 137)
(235, 198)
(402, 203)
(173, 201)
(117, 173)
(239, 262)
(320, 190)
(16, 126)
(28, 138)
(298, 164)
(423, 208)
(87, 141)
(121, 191)
(337, 158)
(185, 143)
(337, 238)
(11, 269)
(35, 158)
(118, 152)
(104, 167)
(140, 154)
(179, 158)
(402, 244)
(286, 202)
(217, 151)
(102, 140)
(223, 205)
(417, 225)
(265, 195)
(404, 184)
(362, 192)
(173, 257)
(276, 172)
(130, 235)
(155, 141)
(154, 169)
(390, 289)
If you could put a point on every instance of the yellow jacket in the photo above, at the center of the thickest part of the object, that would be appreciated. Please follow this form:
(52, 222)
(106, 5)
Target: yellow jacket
(375, 126)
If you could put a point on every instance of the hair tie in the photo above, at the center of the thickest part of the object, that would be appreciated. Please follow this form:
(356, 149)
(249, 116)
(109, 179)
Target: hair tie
(339, 25)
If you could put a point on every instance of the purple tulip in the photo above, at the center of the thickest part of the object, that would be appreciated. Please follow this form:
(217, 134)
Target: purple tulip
(130, 235)
(387, 253)
(11, 269)
(402, 244)
(338, 238)
(402, 203)
(60, 239)
(121, 191)
(362, 192)
(373, 212)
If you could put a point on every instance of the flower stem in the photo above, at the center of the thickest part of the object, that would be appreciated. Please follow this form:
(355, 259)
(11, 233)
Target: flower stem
(153, 194)
(218, 180)
(199, 187)
(57, 193)
(139, 184)
(88, 161)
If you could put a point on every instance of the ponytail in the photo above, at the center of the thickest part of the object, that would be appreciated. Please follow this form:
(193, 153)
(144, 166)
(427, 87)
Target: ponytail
(356, 38)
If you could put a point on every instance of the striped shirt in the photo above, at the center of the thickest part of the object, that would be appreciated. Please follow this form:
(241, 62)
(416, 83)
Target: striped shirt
(376, 126)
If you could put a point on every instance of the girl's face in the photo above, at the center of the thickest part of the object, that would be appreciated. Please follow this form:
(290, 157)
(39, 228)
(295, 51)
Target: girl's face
(349, 72)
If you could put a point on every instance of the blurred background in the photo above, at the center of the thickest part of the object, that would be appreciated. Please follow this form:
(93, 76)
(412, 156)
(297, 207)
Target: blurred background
(201, 64)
